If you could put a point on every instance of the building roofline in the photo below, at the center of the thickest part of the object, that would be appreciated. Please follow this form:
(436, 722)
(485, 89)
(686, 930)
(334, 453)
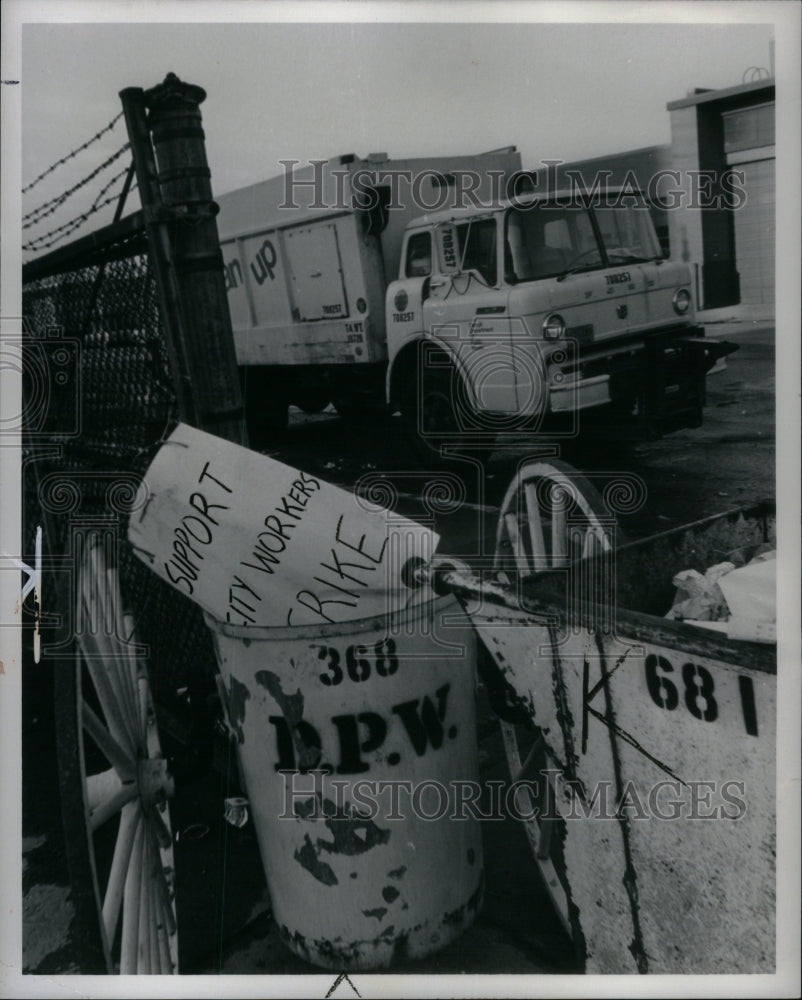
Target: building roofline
(603, 157)
(717, 95)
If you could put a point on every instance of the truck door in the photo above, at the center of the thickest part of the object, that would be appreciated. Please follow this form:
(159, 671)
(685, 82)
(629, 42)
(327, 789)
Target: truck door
(405, 307)
(318, 290)
(466, 311)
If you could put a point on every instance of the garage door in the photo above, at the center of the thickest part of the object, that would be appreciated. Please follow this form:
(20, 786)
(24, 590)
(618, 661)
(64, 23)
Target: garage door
(754, 233)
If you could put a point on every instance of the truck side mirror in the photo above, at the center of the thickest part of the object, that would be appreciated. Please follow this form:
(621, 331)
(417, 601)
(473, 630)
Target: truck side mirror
(447, 249)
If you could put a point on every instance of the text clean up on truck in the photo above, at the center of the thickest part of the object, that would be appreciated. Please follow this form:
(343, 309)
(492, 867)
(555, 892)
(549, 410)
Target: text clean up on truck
(455, 293)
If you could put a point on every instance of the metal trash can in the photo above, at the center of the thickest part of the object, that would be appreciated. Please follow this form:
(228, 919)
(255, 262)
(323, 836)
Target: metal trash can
(357, 742)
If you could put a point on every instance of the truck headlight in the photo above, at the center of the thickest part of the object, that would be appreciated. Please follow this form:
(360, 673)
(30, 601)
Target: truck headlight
(682, 301)
(553, 327)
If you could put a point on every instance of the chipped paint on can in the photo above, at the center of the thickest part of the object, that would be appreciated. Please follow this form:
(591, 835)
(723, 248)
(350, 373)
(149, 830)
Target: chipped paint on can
(345, 735)
(675, 870)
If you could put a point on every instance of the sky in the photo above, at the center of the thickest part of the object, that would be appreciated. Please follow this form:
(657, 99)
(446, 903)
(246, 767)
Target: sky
(278, 91)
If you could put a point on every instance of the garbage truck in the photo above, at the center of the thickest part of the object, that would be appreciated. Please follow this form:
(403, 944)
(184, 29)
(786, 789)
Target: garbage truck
(463, 296)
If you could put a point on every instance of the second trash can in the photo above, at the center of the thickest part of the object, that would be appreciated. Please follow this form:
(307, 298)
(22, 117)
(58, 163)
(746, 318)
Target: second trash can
(357, 743)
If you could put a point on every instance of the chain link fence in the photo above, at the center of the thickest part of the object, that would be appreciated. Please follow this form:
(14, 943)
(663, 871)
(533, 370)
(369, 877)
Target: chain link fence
(97, 402)
(106, 317)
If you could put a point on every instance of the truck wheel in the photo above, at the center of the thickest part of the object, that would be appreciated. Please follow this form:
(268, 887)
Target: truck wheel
(266, 402)
(348, 409)
(436, 420)
(357, 407)
(311, 401)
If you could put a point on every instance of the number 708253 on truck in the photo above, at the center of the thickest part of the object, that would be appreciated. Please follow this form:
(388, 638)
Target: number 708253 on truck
(449, 292)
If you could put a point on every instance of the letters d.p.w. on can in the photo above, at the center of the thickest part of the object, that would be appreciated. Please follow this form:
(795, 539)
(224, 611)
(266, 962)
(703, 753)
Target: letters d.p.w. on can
(358, 745)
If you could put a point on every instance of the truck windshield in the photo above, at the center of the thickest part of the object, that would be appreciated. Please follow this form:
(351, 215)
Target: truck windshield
(627, 233)
(548, 239)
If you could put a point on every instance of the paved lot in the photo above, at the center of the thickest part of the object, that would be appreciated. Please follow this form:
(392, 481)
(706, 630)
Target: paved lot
(225, 922)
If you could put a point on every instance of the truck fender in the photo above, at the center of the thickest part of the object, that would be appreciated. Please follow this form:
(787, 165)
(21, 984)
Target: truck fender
(406, 356)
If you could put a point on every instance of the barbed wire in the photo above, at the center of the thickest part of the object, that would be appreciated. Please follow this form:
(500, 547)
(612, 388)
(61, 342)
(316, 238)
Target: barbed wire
(49, 207)
(74, 152)
(44, 242)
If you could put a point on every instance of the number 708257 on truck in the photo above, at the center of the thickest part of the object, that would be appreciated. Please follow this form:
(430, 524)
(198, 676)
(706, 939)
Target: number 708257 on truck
(472, 314)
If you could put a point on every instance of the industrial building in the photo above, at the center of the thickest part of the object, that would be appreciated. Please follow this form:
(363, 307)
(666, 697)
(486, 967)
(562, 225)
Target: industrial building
(721, 131)
(711, 190)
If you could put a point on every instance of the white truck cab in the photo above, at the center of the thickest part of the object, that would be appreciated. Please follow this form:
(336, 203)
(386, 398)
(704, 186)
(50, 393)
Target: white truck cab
(535, 309)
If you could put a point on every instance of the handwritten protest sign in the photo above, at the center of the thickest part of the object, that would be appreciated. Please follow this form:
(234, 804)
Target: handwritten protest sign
(256, 542)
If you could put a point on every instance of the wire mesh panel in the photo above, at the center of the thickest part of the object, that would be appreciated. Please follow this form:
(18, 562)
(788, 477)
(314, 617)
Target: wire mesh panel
(98, 401)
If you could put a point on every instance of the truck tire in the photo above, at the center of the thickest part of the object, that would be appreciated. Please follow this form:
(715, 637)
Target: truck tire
(311, 400)
(360, 406)
(266, 401)
(347, 408)
(437, 422)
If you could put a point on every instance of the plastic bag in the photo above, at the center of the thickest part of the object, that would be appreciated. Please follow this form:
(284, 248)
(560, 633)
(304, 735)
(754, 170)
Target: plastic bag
(741, 601)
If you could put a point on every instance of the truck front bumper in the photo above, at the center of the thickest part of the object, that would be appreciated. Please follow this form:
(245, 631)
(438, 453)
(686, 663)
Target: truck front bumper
(660, 381)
